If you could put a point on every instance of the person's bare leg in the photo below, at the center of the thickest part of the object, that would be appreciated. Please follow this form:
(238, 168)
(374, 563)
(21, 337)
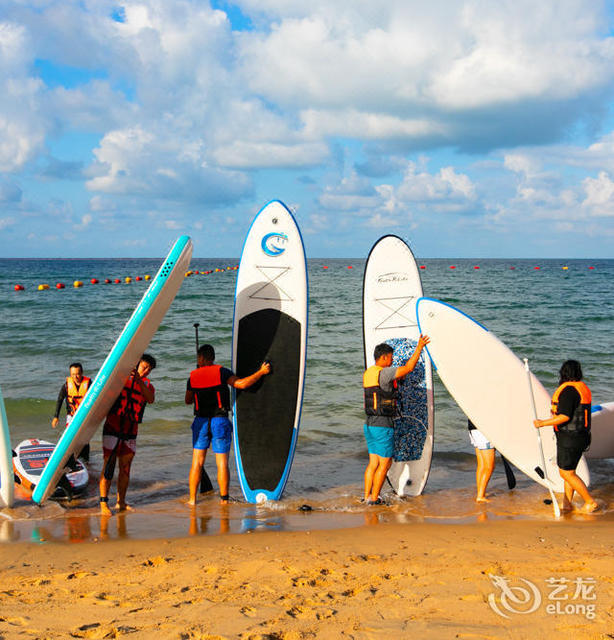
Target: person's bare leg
(223, 475)
(568, 497)
(379, 477)
(123, 480)
(103, 488)
(485, 466)
(577, 484)
(198, 460)
(369, 472)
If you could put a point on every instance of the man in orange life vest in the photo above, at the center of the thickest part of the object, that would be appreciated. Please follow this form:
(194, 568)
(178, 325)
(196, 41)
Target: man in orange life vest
(72, 391)
(380, 406)
(120, 431)
(571, 419)
(207, 389)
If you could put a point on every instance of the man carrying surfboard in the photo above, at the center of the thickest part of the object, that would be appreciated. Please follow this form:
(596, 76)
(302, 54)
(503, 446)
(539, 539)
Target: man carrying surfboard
(120, 430)
(379, 384)
(207, 389)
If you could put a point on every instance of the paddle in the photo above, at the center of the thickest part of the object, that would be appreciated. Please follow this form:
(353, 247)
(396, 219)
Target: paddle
(205, 480)
(509, 473)
(541, 472)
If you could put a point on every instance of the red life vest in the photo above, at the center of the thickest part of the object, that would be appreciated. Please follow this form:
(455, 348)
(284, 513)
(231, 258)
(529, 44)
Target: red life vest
(581, 418)
(75, 394)
(211, 395)
(131, 402)
(377, 401)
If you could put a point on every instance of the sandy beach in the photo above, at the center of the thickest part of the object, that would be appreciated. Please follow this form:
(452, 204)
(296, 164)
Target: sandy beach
(382, 581)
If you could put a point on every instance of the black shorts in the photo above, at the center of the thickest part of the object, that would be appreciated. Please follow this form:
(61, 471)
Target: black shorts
(569, 448)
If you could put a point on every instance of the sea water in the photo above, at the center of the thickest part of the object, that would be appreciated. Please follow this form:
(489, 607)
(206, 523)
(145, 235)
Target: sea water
(541, 310)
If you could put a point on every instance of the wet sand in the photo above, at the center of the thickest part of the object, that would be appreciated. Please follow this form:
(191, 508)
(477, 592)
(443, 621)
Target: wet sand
(418, 580)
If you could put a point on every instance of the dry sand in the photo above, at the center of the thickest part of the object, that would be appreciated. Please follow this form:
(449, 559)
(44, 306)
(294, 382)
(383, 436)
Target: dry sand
(387, 581)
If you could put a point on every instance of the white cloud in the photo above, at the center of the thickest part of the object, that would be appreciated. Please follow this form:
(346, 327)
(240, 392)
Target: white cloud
(599, 199)
(22, 123)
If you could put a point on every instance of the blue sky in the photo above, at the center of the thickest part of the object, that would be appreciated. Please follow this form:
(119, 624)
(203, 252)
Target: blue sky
(472, 129)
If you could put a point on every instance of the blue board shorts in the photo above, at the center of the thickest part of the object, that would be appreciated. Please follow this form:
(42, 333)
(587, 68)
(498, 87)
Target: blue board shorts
(216, 432)
(380, 441)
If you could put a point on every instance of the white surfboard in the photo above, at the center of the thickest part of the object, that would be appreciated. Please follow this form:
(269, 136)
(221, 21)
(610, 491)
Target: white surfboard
(391, 287)
(270, 323)
(7, 483)
(602, 431)
(490, 385)
(123, 357)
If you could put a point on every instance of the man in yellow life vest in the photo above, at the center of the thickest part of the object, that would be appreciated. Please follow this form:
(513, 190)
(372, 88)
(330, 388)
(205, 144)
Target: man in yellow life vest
(72, 392)
(379, 384)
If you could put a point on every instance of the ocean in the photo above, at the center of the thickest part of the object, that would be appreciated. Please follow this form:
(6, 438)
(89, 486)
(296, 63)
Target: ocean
(546, 314)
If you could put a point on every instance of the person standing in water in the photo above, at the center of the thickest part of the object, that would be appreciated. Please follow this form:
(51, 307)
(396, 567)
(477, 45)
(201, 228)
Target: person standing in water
(120, 430)
(72, 392)
(485, 456)
(207, 389)
(571, 419)
(379, 385)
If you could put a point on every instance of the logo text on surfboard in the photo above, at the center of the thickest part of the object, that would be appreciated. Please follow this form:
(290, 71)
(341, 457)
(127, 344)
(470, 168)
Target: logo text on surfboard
(273, 244)
(392, 277)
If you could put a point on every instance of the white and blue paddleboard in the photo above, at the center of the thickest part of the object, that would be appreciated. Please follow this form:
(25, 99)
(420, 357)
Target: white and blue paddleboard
(270, 323)
(602, 431)
(7, 482)
(490, 385)
(124, 356)
(391, 287)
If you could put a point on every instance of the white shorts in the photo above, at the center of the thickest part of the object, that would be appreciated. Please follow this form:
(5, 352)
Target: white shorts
(479, 440)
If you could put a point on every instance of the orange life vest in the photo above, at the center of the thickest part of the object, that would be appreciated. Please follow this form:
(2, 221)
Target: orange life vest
(581, 418)
(211, 395)
(75, 394)
(377, 401)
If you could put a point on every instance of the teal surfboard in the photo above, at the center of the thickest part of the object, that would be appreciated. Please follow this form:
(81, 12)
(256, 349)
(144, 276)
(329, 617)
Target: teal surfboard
(124, 356)
(7, 483)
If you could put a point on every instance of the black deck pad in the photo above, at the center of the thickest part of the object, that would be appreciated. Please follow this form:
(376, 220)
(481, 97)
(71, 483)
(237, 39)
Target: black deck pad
(266, 411)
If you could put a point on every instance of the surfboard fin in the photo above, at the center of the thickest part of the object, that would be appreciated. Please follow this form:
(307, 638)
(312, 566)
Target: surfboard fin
(540, 472)
(205, 482)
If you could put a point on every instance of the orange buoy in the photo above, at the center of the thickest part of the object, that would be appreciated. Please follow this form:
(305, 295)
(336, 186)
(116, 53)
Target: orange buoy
(512, 268)
(117, 281)
(60, 285)
(591, 267)
(138, 278)
(325, 267)
(422, 266)
(77, 284)
(107, 281)
(43, 287)
(350, 266)
(94, 280)
(127, 279)
(19, 287)
(476, 267)
(452, 266)
(536, 268)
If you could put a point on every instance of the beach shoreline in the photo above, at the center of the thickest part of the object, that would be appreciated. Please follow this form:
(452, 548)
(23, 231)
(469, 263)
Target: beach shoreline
(386, 580)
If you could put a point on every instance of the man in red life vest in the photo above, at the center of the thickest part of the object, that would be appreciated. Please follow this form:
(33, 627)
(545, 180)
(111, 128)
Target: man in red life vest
(120, 431)
(72, 392)
(207, 389)
(379, 386)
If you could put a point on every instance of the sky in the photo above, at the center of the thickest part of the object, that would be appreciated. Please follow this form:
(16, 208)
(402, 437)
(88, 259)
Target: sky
(470, 128)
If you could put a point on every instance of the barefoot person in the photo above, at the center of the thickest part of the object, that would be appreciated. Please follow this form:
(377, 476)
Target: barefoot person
(120, 430)
(380, 406)
(571, 419)
(71, 393)
(207, 390)
(485, 456)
